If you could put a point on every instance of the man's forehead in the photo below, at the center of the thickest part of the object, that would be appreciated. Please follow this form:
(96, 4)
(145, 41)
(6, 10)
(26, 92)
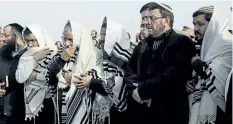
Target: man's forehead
(30, 36)
(144, 13)
(154, 12)
(7, 29)
(200, 18)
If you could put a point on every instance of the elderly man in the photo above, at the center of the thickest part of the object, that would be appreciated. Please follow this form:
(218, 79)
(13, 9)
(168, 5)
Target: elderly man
(157, 72)
(12, 108)
(212, 67)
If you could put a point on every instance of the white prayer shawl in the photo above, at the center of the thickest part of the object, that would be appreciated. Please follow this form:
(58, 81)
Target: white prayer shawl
(81, 104)
(77, 37)
(115, 57)
(77, 99)
(216, 51)
(228, 84)
(78, 33)
(37, 90)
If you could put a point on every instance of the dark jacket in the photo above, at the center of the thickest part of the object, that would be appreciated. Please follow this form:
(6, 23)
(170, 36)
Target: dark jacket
(161, 75)
(12, 103)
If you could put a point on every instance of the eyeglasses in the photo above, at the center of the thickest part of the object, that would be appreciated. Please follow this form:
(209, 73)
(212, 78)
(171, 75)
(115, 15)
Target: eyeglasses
(153, 17)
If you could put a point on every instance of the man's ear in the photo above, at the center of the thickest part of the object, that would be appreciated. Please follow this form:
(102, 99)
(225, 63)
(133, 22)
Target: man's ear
(167, 19)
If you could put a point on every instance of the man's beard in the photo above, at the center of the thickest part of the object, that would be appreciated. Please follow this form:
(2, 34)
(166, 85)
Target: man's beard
(199, 41)
(11, 44)
(9, 49)
(158, 32)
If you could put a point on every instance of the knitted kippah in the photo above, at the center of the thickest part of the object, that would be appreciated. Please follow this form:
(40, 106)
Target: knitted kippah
(206, 9)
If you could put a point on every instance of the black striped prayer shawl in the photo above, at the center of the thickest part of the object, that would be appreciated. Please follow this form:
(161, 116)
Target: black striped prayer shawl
(85, 106)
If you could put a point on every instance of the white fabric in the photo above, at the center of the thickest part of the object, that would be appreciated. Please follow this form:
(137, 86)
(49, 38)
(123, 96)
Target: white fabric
(27, 64)
(217, 49)
(228, 84)
(115, 34)
(77, 37)
(87, 60)
(92, 59)
(165, 7)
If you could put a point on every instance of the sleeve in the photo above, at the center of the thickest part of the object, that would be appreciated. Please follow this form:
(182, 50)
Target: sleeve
(96, 85)
(116, 92)
(25, 68)
(174, 77)
(54, 69)
(131, 77)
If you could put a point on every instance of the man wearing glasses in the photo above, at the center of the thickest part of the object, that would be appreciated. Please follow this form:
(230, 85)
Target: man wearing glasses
(158, 71)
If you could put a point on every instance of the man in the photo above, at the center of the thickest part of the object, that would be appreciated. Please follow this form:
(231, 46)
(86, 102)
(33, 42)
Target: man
(58, 44)
(31, 72)
(144, 14)
(143, 31)
(212, 67)
(2, 43)
(157, 72)
(190, 32)
(61, 69)
(94, 37)
(12, 108)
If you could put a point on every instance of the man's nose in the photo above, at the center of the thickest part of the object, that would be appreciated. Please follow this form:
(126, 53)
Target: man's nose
(196, 28)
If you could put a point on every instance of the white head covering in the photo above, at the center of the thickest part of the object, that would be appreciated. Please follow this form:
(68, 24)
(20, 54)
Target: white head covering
(42, 36)
(79, 35)
(27, 64)
(86, 58)
(216, 51)
(116, 44)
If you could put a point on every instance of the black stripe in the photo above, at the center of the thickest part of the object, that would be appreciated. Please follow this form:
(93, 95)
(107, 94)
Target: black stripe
(212, 80)
(83, 119)
(126, 52)
(118, 61)
(121, 53)
(210, 84)
(75, 105)
(122, 89)
(33, 95)
(209, 74)
(212, 89)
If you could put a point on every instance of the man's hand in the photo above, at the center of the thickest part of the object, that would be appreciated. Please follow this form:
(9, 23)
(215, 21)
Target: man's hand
(68, 76)
(137, 98)
(40, 55)
(32, 77)
(195, 58)
(2, 92)
(67, 53)
(82, 81)
(189, 86)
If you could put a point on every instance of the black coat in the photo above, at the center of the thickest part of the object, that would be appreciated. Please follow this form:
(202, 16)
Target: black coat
(161, 75)
(12, 104)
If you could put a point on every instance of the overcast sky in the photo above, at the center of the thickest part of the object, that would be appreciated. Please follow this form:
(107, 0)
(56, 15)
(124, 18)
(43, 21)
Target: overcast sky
(53, 14)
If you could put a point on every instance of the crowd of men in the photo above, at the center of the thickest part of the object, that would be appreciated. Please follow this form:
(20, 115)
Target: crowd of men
(167, 77)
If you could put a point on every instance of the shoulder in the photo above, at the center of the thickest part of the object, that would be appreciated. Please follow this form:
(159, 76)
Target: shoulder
(184, 39)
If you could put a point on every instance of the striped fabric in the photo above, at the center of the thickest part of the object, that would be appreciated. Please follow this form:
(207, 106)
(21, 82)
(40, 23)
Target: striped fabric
(115, 60)
(208, 84)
